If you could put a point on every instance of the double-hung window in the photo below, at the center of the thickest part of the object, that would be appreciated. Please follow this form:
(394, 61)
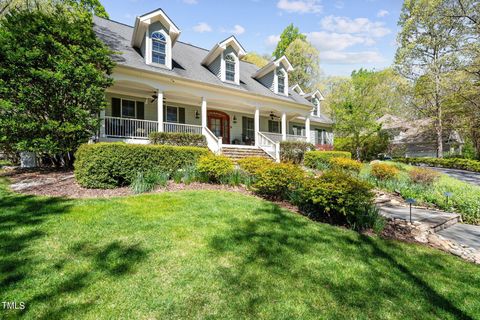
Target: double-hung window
(281, 82)
(230, 68)
(159, 48)
(273, 126)
(125, 108)
(174, 114)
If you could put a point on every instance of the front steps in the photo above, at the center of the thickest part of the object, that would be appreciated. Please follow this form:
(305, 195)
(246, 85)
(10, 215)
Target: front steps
(237, 153)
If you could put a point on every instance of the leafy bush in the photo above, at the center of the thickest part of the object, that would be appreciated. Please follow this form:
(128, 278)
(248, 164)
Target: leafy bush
(215, 168)
(178, 139)
(108, 165)
(147, 181)
(294, 151)
(423, 176)
(253, 164)
(321, 159)
(453, 163)
(276, 179)
(337, 197)
(383, 171)
(370, 148)
(346, 164)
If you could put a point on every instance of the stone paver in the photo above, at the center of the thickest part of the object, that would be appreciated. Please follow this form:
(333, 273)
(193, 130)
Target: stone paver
(464, 234)
(434, 219)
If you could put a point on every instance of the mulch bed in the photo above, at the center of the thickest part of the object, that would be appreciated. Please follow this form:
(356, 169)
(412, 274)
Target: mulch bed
(62, 183)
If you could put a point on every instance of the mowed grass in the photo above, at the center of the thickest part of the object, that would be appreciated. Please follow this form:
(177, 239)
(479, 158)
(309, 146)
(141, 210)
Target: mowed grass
(214, 255)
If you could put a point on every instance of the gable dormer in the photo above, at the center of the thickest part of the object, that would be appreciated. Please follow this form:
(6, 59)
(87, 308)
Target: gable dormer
(224, 60)
(274, 75)
(315, 98)
(297, 89)
(155, 34)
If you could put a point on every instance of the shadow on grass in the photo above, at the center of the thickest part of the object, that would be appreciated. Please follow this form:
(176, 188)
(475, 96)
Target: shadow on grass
(23, 224)
(276, 245)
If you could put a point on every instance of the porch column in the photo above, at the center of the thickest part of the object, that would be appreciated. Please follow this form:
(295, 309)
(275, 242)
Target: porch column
(204, 112)
(284, 126)
(256, 124)
(160, 110)
(102, 123)
(307, 128)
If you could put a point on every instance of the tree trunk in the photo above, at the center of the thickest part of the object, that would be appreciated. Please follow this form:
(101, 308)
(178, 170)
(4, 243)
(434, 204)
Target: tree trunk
(438, 124)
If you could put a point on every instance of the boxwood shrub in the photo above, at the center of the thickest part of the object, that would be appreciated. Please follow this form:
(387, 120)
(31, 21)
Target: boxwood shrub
(453, 163)
(337, 197)
(294, 151)
(321, 159)
(276, 180)
(109, 165)
(178, 139)
(215, 168)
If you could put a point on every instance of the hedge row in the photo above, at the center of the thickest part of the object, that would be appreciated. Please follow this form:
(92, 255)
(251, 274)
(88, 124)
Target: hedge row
(315, 159)
(178, 139)
(108, 165)
(453, 163)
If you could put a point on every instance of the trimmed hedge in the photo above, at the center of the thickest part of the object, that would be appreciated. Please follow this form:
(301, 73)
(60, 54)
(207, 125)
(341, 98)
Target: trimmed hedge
(294, 151)
(346, 164)
(252, 165)
(178, 139)
(318, 159)
(275, 180)
(453, 163)
(109, 165)
(215, 167)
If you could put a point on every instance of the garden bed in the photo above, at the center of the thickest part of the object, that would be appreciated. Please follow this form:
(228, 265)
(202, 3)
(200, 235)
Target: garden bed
(61, 183)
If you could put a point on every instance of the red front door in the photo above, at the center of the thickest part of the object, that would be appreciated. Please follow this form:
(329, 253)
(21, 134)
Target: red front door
(219, 124)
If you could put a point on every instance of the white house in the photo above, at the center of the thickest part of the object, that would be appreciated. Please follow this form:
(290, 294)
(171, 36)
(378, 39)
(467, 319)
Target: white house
(163, 84)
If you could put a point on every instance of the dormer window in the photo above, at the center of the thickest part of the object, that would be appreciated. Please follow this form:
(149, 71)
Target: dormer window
(159, 45)
(230, 68)
(281, 77)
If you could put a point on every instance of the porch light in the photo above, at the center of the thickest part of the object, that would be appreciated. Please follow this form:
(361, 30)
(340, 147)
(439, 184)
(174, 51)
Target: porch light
(197, 115)
(234, 119)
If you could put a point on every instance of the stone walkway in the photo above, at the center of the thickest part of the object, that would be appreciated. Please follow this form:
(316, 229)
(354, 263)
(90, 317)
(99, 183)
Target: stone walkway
(440, 229)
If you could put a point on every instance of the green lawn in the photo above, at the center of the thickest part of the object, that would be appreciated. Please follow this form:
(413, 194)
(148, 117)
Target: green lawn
(216, 255)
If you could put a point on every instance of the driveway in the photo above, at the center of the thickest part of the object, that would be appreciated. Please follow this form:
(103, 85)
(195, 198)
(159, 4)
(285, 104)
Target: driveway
(463, 175)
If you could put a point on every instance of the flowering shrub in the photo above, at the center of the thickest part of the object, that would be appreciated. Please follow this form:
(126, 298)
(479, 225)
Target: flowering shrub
(346, 164)
(383, 171)
(423, 176)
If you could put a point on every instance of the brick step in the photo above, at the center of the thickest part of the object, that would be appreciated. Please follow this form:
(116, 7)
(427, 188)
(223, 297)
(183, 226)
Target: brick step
(240, 153)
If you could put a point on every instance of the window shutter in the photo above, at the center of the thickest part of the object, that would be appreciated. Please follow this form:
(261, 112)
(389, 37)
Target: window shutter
(181, 115)
(115, 107)
(164, 113)
(140, 110)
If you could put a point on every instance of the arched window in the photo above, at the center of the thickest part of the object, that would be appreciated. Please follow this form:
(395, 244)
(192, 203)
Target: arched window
(159, 48)
(230, 68)
(281, 81)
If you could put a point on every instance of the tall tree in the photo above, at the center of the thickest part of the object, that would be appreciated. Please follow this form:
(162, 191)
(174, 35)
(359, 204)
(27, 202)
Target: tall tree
(92, 6)
(429, 46)
(53, 76)
(289, 34)
(256, 59)
(357, 103)
(305, 59)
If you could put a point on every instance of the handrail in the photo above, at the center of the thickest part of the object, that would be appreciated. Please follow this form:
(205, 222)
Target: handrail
(181, 127)
(117, 127)
(214, 143)
(270, 147)
(184, 124)
(130, 119)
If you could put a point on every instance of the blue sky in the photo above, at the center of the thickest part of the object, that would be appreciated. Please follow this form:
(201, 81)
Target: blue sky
(348, 33)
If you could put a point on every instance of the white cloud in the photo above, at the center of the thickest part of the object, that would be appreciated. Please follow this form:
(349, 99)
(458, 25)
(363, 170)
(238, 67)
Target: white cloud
(190, 1)
(358, 25)
(382, 13)
(323, 40)
(300, 6)
(236, 30)
(361, 57)
(202, 27)
(272, 40)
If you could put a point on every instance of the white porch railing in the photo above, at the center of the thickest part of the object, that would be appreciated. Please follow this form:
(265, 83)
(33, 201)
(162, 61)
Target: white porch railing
(271, 147)
(213, 142)
(182, 128)
(275, 137)
(293, 137)
(129, 128)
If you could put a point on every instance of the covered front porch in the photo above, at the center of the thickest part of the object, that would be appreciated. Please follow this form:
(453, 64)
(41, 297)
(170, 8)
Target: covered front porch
(134, 111)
